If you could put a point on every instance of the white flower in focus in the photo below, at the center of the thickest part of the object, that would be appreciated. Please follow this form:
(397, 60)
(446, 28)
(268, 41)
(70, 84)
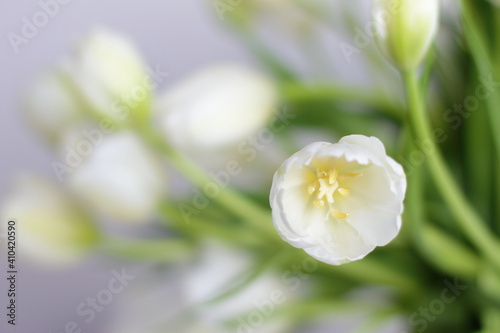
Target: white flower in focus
(339, 201)
(406, 29)
(50, 227)
(121, 178)
(109, 74)
(50, 106)
(216, 107)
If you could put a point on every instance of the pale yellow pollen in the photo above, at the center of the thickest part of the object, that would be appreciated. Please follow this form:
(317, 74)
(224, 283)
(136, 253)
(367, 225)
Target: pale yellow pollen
(333, 176)
(320, 173)
(339, 215)
(326, 185)
(319, 203)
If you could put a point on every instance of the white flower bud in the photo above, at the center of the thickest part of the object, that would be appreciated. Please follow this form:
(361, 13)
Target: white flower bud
(216, 107)
(50, 226)
(121, 178)
(108, 73)
(50, 106)
(406, 29)
(339, 201)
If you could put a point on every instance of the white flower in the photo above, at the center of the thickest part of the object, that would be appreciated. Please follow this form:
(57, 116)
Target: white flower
(406, 29)
(108, 73)
(216, 107)
(224, 267)
(50, 226)
(151, 304)
(339, 201)
(120, 178)
(175, 300)
(50, 106)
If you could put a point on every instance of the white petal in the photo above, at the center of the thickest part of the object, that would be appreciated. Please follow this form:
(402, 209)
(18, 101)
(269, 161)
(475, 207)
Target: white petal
(373, 207)
(291, 209)
(288, 217)
(341, 245)
(376, 147)
(375, 226)
(371, 144)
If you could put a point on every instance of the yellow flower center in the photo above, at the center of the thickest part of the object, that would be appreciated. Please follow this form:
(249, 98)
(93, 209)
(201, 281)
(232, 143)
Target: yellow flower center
(326, 185)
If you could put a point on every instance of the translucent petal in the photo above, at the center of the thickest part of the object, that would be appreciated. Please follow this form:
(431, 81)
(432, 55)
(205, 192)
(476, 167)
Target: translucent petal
(342, 244)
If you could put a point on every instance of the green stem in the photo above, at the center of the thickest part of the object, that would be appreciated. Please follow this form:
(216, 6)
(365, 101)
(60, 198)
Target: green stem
(370, 270)
(200, 227)
(256, 216)
(438, 247)
(296, 91)
(490, 318)
(414, 210)
(156, 250)
(478, 147)
(496, 18)
(485, 66)
(470, 222)
(376, 319)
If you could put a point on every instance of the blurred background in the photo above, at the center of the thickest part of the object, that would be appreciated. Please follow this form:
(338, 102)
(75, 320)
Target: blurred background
(176, 36)
(179, 37)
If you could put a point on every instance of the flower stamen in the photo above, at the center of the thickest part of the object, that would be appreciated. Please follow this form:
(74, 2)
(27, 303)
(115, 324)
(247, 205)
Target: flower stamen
(326, 185)
(333, 176)
(320, 173)
(312, 188)
(338, 214)
(318, 203)
(344, 192)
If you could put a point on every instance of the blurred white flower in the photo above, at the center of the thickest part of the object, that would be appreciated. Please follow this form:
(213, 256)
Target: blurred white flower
(216, 107)
(406, 29)
(339, 201)
(108, 73)
(50, 106)
(50, 226)
(174, 301)
(222, 266)
(121, 178)
(152, 304)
